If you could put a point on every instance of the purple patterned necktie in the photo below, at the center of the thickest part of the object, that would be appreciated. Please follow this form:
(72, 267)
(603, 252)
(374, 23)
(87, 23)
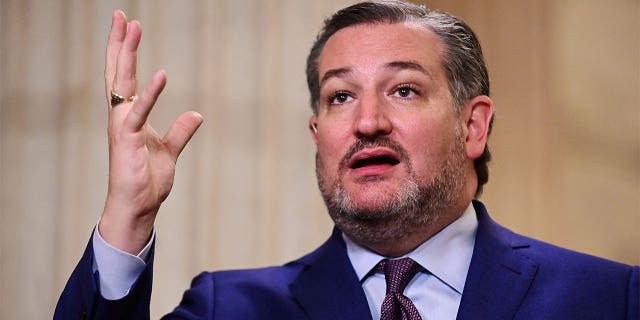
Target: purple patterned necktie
(398, 273)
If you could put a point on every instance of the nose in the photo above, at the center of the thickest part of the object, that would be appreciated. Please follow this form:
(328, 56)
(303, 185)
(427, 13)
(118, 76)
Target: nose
(372, 118)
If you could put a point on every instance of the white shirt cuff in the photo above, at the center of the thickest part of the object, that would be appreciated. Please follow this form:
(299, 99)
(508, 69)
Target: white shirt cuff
(118, 270)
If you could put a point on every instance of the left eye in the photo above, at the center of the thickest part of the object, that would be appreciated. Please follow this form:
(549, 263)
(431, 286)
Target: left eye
(404, 92)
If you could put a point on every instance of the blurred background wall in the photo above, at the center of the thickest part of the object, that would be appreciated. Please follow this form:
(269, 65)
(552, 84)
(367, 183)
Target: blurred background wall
(565, 81)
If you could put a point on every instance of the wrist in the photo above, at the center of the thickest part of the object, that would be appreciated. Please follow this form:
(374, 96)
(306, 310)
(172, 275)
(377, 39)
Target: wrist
(128, 234)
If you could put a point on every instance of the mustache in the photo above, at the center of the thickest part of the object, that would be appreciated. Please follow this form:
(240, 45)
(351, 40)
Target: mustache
(380, 141)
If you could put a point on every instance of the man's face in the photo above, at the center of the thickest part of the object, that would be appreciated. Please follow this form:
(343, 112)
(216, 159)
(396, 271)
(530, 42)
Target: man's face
(387, 131)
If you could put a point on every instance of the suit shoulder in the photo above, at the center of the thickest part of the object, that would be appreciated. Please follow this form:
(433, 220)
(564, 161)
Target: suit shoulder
(254, 293)
(568, 271)
(267, 276)
(493, 236)
(578, 279)
(549, 254)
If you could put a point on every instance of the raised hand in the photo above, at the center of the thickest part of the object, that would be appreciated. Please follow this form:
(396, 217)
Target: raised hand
(141, 163)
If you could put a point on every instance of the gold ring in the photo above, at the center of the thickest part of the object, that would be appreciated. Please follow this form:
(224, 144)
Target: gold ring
(117, 99)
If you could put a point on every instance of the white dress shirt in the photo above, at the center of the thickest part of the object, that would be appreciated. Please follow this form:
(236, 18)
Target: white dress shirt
(118, 270)
(446, 256)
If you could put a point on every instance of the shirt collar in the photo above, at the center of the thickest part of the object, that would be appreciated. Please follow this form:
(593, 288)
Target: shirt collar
(446, 255)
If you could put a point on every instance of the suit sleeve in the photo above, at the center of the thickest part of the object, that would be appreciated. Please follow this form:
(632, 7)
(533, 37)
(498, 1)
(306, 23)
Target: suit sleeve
(81, 297)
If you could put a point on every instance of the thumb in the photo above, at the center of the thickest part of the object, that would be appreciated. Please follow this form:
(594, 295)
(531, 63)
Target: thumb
(181, 132)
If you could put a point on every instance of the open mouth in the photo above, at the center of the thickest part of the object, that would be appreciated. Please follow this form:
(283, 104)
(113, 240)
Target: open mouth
(374, 158)
(375, 161)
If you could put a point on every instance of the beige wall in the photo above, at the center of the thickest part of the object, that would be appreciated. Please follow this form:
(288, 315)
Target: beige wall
(565, 77)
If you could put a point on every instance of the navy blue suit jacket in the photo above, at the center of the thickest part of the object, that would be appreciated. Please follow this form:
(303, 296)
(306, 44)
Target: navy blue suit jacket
(510, 277)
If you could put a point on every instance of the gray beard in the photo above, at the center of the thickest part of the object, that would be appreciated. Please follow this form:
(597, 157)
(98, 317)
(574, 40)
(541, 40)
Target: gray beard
(412, 208)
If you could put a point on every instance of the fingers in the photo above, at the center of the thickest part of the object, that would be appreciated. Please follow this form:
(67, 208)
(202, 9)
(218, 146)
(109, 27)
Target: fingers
(121, 56)
(124, 82)
(181, 132)
(137, 117)
(120, 76)
(114, 43)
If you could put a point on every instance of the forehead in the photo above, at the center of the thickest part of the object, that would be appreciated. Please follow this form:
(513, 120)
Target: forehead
(368, 46)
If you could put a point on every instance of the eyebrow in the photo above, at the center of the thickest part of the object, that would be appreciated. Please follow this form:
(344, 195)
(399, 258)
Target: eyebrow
(400, 65)
(334, 73)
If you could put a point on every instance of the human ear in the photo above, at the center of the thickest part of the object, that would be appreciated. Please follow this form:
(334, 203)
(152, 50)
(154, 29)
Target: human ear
(313, 128)
(477, 115)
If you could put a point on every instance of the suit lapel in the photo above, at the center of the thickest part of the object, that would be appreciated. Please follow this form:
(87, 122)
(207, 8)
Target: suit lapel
(328, 287)
(499, 277)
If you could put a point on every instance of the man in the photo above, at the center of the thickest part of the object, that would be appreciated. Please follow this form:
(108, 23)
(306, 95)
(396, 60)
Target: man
(401, 118)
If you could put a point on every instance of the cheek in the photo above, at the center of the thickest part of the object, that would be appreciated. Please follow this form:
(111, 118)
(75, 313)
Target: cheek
(332, 143)
(428, 148)
(328, 157)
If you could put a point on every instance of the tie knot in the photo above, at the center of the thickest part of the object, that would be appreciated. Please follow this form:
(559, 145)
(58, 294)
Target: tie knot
(398, 273)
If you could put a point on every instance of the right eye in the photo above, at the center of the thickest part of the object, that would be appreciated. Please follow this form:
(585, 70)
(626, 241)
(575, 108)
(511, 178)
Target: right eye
(340, 97)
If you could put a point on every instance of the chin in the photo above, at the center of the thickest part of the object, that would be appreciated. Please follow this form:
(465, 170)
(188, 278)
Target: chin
(372, 198)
